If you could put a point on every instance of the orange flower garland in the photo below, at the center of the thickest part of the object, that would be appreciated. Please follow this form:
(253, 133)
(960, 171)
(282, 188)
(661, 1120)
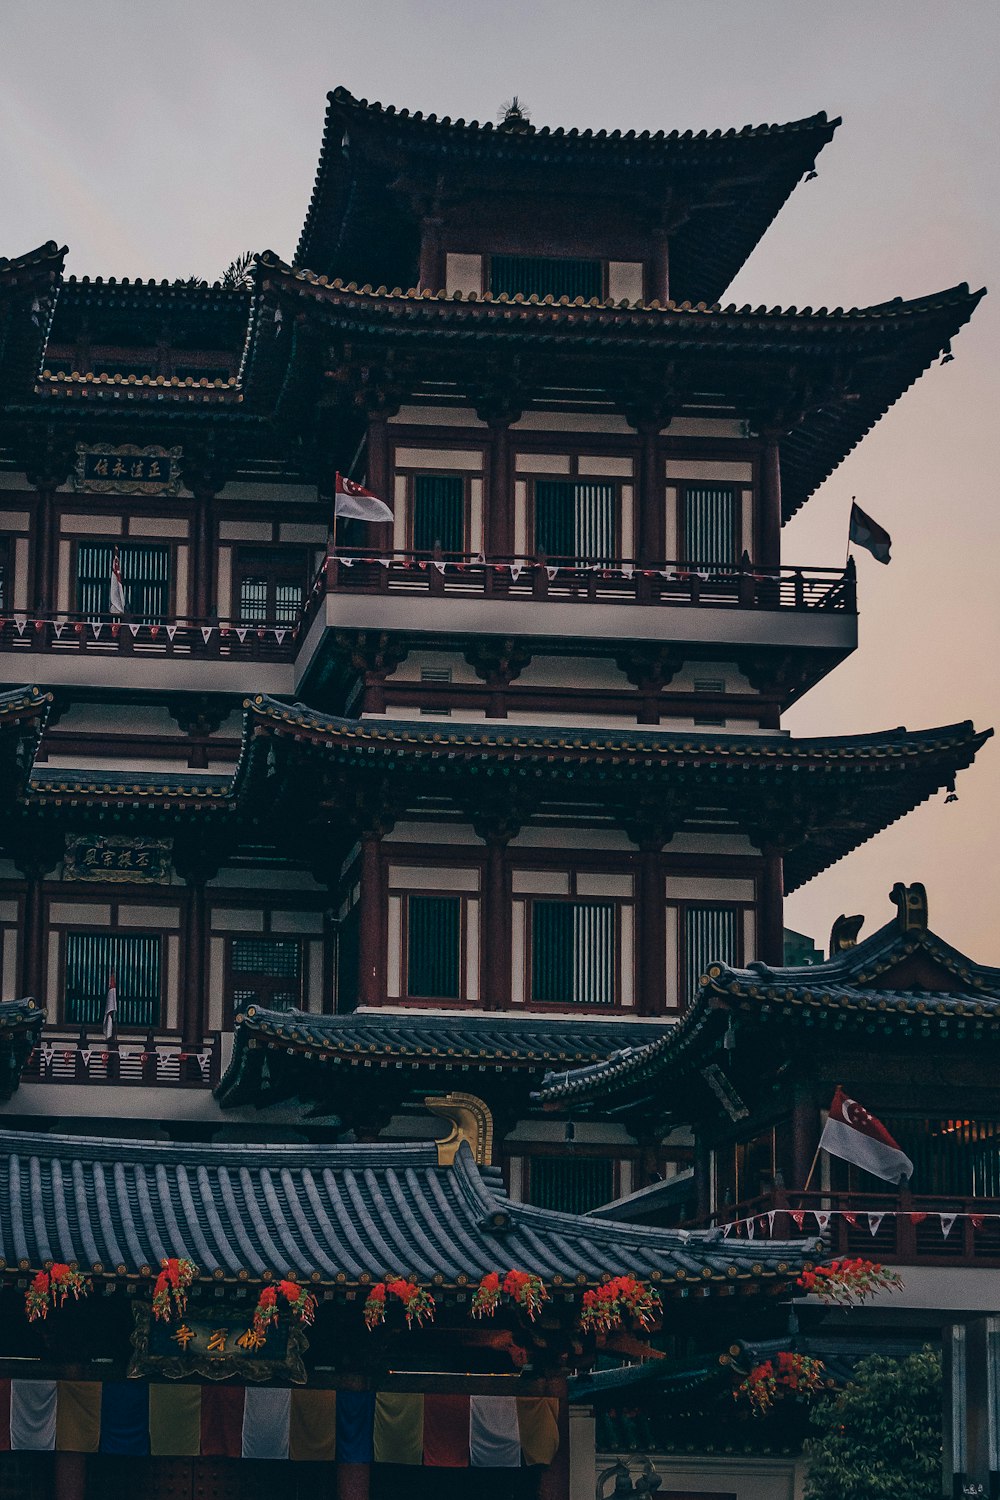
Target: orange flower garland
(301, 1304)
(604, 1307)
(522, 1287)
(849, 1281)
(172, 1286)
(52, 1288)
(417, 1301)
(797, 1374)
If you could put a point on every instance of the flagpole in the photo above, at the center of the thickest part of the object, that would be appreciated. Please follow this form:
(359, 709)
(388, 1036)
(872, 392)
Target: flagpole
(812, 1168)
(847, 555)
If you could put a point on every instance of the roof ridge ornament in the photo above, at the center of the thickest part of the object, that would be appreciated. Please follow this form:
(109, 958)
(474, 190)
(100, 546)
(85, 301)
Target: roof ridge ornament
(911, 906)
(844, 933)
(471, 1121)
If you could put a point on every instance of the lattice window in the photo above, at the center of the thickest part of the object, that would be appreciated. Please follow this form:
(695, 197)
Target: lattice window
(711, 935)
(546, 275)
(434, 947)
(135, 959)
(711, 524)
(265, 971)
(145, 570)
(576, 520)
(571, 1184)
(269, 585)
(574, 952)
(438, 512)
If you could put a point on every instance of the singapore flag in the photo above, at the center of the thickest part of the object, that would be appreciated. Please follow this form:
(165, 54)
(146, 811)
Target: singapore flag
(856, 1136)
(354, 501)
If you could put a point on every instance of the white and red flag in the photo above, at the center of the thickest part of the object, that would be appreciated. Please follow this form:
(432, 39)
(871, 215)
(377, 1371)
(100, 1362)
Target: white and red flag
(355, 502)
(117, 595)
(869, 534)
(111, 1007)
(856, 1136)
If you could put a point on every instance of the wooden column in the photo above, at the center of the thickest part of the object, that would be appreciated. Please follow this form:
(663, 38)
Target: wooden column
(805, 1134)
(32, 936)
(554, 1480)
(496, 930)
(378, 475)
(769, 528)
(650, 540)
(433, 265)
(194, 1017)
(42, 597)
(652, 932)
(658, 273)
(498, 521)
(371, 946)
(702, 1178)
(770, 911)
(203, 551)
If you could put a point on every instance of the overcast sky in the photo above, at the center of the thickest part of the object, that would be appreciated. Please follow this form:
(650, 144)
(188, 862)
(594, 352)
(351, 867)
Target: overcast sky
(162, 139)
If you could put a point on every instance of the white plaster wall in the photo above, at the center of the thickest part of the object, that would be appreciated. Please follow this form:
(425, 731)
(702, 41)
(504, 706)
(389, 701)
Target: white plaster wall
(437, 416)
(573, 421)
(463, 273)
(625, 280)
(434, 459)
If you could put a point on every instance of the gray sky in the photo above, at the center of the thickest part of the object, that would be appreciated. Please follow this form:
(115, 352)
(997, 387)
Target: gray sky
(162, 139)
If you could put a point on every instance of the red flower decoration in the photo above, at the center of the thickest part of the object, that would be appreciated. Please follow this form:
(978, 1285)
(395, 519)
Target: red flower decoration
(418, 1304)
(606, 1306)
(793, 1374)
(172, 1285)
(849, 1281)
(52, 1288)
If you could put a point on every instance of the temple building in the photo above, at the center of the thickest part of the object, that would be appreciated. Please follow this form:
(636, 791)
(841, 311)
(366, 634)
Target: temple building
(322, 836)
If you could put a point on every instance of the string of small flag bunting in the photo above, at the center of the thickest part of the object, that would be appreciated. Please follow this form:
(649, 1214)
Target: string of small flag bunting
(528, 565)
(49, 1053)
(762, 1224)
(114, 628)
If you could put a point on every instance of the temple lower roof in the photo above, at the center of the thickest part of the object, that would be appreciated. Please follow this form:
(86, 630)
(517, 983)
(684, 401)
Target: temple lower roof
(296, 1050)
(328, 1214)
(903, 981)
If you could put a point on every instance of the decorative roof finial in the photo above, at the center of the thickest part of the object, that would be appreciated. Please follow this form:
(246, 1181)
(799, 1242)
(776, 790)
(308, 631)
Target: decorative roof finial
(911, 906)
(471, 1120)
(844, 933)
(513, 116)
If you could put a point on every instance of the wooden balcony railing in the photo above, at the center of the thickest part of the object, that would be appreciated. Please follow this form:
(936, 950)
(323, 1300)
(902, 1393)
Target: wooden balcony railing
(565, 580)
(191, 639)
(898, 1228)
(154, 1059)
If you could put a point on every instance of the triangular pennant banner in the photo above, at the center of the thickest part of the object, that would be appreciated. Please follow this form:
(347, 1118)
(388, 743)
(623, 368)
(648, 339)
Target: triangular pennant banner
(751, 1228)
(96, 629)
(552, 572)
(770, 1221)
(241, 633)
(978, 1220)
(171, 631)
(947, 1222)
(206, 633)
(440, 565)
(917, 1218)
(874, 1220)
(727, 1230)
(822, 1217)
(516, 569)
(852, 1219)
(279, 635)
(627, 570)
(154, 631)
(798, 1217)
(346, 562)
(58, 628)
(22, 625)
(134, 629)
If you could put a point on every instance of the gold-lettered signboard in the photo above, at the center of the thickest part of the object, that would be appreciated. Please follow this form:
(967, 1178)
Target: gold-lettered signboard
(127, 470)
(218, 1344)
(118, 859)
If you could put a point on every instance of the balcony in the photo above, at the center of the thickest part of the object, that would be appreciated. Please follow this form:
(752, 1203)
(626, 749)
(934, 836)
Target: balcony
(897, 1228)
(449, 595)
(183, 654)
(155, 1060)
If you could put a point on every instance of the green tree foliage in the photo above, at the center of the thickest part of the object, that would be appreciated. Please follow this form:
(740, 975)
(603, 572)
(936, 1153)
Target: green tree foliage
(881, 1438)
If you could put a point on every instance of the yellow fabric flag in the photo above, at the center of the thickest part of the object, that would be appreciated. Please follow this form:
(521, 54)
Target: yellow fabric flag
(312, 1433)
(175, 1421)
(538, 1424)
(78, 1416)
(399, 1427)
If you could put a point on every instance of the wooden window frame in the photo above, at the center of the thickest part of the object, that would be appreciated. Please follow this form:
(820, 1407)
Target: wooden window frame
(574, 477)
(743, 492)
(549, 1152)
(682, 907)
(124, 541)
(463, 898)
(84, 929)
(228, 1005)
(591, 1007)
(602, 260)
(292, 570)
(412, 475)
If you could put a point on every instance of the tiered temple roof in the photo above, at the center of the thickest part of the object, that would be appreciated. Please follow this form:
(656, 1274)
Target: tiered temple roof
(901, 986)
(332, 1215)
(717, 191)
